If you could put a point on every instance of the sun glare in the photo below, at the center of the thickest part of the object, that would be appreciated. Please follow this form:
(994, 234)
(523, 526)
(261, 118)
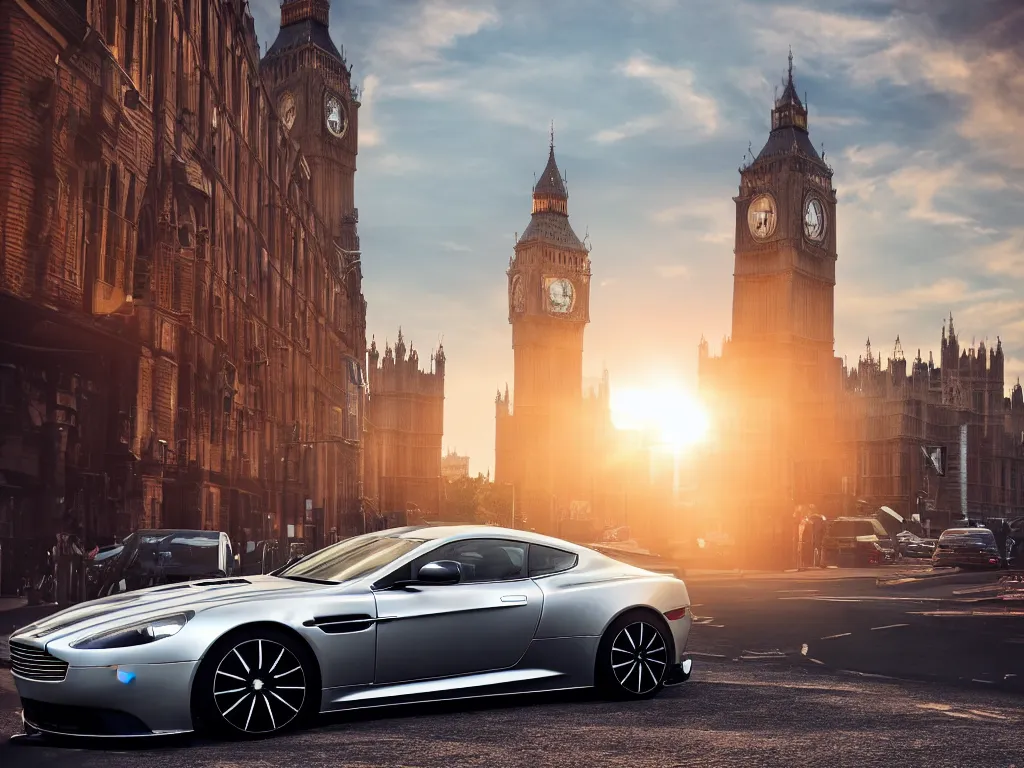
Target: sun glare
(672, 413)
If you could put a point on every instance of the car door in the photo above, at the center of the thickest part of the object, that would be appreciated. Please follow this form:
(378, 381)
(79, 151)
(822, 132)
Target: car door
(485, 622)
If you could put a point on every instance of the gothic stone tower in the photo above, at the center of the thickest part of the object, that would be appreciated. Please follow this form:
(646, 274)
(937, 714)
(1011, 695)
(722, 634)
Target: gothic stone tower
(537, 446)
(312, 86)
(778, 375)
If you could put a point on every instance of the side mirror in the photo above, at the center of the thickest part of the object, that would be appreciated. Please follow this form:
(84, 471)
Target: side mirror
(440, 573)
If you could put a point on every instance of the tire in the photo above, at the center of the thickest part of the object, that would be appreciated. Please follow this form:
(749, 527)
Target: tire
(254, 683)
(633, 656)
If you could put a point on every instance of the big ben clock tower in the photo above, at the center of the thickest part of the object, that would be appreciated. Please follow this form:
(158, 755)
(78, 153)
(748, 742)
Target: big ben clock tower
(774, 391)
(549, 307)
(312, 86)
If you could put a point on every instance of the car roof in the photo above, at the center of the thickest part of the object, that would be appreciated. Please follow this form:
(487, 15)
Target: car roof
(455, 532)
(962, 531)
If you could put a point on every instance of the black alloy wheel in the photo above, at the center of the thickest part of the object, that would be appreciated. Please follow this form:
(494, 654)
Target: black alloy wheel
(633, 657)
(256, 683)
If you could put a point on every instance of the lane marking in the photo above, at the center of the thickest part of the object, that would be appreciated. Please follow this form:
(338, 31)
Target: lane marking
(983, 713)
(833, 637)
(879, 598)
(993, 614)
(817, 662)
(868, 674)
(890, 626)
(707, 655)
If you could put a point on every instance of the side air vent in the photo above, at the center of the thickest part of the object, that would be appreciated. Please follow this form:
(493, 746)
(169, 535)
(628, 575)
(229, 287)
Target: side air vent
(342, 624)
(220, 583)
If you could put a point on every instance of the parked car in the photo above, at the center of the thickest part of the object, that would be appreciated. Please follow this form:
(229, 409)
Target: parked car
(154, 557)
(97, 565)
(967, 548)
(857, 542)
(911, 545)
(261, 557)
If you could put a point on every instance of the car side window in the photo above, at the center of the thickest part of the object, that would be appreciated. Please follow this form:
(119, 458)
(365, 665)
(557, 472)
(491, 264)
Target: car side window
(548, 560)
(482, 560)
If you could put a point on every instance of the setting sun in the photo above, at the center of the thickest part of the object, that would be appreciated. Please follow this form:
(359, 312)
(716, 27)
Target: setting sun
(672, 413)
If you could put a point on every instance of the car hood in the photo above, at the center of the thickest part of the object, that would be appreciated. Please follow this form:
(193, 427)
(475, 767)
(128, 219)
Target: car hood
(146, 604)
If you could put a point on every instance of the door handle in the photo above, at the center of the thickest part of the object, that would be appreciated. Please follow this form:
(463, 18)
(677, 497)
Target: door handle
(514, 599)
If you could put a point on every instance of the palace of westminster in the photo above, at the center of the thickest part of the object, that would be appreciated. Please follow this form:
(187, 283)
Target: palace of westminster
(185, 341)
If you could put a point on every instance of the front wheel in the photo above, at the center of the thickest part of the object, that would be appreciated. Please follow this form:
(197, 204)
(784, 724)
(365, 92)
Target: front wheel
(256, 683)
(633, 657)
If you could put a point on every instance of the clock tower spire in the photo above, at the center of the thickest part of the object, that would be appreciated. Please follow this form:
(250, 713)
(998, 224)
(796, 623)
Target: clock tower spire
(549, 307)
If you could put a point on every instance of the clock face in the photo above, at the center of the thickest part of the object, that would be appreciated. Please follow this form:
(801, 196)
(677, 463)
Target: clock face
(761, 217)
(337, 118)
(518, 295)
(814, 219)
(561, 295)
(288, 110)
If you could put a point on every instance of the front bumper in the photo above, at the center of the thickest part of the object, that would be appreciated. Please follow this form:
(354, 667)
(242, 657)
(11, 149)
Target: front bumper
(678, 673)
(94, 702)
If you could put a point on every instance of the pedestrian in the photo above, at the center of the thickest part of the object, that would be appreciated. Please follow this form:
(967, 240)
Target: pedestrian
(1002, 534)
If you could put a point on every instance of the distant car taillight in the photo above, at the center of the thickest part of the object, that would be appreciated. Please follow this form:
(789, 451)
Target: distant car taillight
(675, 614)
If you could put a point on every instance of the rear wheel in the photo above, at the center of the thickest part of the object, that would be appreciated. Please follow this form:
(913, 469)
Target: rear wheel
(255, 683)
(633, 656)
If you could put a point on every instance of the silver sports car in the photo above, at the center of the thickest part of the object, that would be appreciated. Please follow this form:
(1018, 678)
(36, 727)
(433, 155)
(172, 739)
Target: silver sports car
(399, 616)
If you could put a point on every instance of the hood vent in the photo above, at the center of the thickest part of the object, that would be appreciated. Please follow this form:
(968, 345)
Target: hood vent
(220, 582)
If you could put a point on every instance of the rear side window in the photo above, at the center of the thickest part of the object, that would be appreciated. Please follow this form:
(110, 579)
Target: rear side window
(546, 560)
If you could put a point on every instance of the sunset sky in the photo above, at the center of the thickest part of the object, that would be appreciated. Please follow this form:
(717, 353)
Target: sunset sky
(919, 106)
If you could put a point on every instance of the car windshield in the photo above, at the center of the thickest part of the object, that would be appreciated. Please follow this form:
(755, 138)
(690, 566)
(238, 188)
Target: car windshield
(350, 559)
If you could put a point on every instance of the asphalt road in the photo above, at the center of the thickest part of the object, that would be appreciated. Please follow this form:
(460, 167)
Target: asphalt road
(919, 631)
(756, 698)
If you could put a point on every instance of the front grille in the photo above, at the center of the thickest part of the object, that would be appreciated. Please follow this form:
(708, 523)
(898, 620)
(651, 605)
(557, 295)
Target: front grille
(36, 664)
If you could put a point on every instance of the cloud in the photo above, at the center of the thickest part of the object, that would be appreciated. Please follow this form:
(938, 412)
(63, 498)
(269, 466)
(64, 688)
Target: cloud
(448, 245)
(369, 134)
(1005, 257)
(689, 107)
(395, 164)
(946, 292)
(871, 155)
(433, 27)
(921, 185)
(710, 221)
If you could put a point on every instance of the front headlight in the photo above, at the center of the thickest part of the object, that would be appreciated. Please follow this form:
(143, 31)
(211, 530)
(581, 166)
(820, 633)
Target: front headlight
(136, 634)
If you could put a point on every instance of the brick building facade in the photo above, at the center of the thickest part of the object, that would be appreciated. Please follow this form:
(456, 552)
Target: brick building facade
(184, 326)
(405, 428)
